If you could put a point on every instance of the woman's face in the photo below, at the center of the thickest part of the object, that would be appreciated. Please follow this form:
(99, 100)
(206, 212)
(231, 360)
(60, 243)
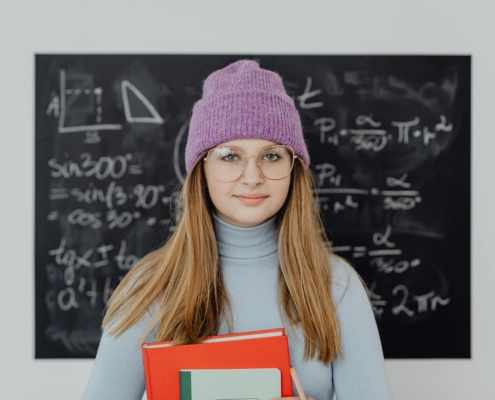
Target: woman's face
(230, 198)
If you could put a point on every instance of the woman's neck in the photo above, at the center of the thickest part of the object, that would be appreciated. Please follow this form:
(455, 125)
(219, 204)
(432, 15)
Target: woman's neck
(246, 243)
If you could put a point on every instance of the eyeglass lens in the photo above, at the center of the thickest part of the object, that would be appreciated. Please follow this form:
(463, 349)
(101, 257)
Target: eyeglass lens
(226, 164)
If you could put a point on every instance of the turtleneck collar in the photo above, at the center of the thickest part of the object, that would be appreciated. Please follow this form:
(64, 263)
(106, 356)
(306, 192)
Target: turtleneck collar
(246, 243)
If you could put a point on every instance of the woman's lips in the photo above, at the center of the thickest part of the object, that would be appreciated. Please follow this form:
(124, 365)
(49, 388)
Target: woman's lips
(251, 200)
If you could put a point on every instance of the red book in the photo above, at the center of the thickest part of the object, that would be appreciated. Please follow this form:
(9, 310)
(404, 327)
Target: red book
(257, 349)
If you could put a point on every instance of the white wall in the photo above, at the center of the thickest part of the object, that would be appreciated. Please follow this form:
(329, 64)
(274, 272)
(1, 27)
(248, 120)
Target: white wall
(251, 26)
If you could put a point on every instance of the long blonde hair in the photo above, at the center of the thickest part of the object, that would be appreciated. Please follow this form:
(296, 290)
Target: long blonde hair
(184, 279)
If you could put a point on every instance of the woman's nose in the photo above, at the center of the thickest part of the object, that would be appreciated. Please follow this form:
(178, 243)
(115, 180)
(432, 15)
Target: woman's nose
(251, 174)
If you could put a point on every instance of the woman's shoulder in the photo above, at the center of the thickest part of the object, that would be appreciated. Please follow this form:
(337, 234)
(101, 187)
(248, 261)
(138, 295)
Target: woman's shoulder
(347, 285)
(342, 271)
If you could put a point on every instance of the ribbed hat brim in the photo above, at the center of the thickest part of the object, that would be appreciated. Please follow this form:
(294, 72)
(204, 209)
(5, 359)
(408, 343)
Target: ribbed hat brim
(257, 114)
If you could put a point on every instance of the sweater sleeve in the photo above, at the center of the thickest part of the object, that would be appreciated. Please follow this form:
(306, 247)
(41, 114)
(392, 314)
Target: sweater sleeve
(360, 372)
(118, 369)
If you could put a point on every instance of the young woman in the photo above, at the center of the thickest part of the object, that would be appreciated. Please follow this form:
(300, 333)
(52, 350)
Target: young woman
(249, 253)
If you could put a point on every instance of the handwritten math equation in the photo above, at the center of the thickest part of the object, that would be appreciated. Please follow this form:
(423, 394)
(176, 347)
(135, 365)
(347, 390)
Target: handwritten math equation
(386, 258)
(397, 195)
(370, 134)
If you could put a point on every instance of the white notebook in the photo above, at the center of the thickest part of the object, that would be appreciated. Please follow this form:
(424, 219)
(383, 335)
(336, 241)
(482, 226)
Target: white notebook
(230, 384)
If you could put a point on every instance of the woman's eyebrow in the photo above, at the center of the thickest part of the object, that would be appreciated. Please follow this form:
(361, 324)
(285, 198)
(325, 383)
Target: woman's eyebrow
(228, 148)
(242, 148)
(234, 148)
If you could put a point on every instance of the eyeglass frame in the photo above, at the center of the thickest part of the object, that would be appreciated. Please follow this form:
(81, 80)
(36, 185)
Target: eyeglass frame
(244, 159)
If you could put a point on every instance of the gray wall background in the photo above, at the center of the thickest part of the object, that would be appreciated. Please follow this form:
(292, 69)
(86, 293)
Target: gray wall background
(229, 26)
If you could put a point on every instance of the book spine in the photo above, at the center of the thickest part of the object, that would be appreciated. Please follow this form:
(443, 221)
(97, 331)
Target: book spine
(147, 373)
(185, 385)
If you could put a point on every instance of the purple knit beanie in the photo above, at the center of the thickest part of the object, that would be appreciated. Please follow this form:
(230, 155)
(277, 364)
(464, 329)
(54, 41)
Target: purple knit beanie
(243, 101)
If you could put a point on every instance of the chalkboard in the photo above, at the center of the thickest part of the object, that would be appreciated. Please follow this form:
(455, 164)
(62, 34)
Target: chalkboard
(389, 139)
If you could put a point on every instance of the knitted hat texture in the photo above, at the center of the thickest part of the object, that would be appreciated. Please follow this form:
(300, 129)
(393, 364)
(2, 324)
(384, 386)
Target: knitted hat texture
(244, 101)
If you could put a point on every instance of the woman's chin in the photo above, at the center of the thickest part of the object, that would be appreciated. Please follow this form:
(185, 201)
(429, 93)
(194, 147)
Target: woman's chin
(246, 219)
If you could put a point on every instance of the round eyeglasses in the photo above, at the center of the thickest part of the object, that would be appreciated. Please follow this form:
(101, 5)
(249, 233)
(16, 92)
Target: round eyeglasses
(226, 164)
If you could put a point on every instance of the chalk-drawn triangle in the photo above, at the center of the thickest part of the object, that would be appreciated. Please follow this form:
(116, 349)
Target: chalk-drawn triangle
(155, 119)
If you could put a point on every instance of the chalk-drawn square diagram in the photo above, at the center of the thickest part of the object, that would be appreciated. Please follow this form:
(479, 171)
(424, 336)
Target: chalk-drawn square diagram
(81, 104)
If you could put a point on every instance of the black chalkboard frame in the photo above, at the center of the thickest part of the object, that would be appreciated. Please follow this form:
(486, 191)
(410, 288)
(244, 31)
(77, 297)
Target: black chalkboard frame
(444, 174)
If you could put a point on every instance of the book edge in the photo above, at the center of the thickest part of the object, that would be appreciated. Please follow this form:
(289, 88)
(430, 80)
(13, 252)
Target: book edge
(221, 340)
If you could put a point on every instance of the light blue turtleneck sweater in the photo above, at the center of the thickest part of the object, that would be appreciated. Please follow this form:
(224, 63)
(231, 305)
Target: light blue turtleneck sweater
(249, 261)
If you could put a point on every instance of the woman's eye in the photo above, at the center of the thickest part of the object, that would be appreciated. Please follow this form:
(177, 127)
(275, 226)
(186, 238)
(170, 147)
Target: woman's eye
(271, 157)
(230, 157)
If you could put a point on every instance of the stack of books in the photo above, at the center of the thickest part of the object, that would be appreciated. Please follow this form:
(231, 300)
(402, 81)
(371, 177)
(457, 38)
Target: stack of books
(249, 365)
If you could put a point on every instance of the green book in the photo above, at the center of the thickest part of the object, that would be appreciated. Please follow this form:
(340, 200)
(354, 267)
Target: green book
(230, 384)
